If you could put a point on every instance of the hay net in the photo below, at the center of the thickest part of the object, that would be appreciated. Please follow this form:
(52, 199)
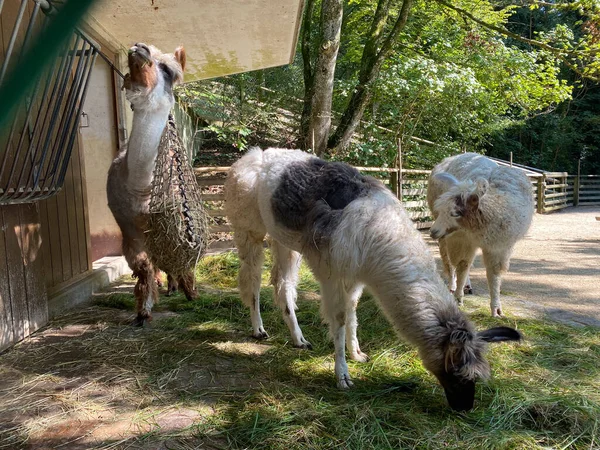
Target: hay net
(178, 225)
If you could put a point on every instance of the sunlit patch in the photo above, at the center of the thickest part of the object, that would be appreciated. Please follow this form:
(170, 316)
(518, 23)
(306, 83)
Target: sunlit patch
(241, 348)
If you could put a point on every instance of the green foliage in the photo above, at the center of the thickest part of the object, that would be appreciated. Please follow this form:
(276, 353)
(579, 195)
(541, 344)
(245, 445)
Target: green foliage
(557, 140)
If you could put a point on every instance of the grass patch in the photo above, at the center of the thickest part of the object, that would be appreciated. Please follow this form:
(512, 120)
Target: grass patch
(545, 392)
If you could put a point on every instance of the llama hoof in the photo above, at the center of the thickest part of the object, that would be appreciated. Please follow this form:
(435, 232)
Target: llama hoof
(190, 296)
(304, 345)
(344, 382)
(141, 321)
(497, 312)
(260, 335)
(359, 356)
(468, 290)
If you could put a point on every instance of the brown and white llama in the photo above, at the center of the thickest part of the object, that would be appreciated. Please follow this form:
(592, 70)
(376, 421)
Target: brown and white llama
(149, 88)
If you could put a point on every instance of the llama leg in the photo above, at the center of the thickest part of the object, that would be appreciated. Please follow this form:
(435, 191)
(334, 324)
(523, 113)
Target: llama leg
(468, 287)
(495, 265)
(462, 273)
(449, 269)
(284, 278)
(250, 249)
(146, 290)
(171, 285)
(461, 254)
(352, 346)
(334, 304)
(158, 277)
(186, 284)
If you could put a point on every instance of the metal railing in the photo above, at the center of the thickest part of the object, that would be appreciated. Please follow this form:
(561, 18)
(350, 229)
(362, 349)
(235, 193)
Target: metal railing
(35, 150)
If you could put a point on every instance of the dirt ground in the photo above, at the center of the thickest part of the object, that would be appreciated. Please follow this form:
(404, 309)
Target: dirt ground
(555, 270)
(81, 382)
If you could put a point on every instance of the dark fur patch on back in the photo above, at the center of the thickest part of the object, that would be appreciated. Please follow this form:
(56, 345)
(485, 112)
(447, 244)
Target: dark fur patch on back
(312, 195)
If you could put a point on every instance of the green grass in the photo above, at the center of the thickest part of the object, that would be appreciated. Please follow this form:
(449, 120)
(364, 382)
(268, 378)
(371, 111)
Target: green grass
(544, 393)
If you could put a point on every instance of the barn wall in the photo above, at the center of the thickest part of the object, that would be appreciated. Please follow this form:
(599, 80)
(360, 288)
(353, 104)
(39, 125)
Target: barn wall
(65, 229)
(23, 298)
(100, 143)
(43, 245)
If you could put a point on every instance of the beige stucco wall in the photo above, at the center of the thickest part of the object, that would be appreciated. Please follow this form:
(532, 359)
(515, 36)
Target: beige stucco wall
(100, 144)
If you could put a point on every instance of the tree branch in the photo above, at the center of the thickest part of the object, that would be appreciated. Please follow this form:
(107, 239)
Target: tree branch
(377, 26)
(398, 27)
(561, 54)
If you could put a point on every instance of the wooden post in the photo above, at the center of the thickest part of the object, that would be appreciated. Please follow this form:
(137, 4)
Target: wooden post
(510, 159)
(541, 188)
(399, 165)
(577, 185)
(394, 182)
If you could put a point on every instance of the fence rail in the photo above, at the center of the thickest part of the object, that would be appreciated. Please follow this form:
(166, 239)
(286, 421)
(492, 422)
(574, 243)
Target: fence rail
(551, 191)
(412, 183)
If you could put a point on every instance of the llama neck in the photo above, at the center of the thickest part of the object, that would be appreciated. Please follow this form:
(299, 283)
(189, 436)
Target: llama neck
(142, 149)
(412, 295)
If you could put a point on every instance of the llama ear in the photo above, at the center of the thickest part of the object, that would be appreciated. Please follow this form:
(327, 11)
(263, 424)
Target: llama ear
(472, 201)
(481, 186)
(499, 334)
(446, 179)
(180, 57)
(460, 336)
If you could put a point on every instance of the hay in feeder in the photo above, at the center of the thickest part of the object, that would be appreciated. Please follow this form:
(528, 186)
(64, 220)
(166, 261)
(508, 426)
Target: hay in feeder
(178, 225)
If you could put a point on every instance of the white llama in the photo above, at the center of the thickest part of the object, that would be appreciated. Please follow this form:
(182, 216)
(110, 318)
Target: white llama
(353, 233)
(476, 204)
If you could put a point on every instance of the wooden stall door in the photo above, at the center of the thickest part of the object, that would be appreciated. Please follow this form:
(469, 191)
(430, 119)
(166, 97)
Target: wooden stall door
(65, 230)
(23, 299)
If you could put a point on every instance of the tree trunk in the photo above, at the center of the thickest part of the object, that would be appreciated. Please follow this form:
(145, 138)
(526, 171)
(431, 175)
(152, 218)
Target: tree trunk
(371, 63)
(309, 77)
(320, 115)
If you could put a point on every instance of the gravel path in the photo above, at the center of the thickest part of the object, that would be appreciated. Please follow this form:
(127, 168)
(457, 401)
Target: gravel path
(555, 270)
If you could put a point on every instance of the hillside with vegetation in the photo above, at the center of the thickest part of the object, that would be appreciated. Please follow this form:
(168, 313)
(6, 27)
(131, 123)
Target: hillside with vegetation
(430, 77)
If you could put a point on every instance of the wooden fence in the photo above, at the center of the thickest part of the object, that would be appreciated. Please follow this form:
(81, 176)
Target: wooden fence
(551, 190)
(409, 185)
(558, 190)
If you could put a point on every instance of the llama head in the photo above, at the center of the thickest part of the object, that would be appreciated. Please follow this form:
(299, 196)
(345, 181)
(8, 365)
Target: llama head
(152, 75)
(457, 205)
(461, 361)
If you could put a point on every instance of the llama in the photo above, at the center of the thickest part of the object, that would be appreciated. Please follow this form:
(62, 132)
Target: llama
(477, 203)
(149, 88)
(353, 233)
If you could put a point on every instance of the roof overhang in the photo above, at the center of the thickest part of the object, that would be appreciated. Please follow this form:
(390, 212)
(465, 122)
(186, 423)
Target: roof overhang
(221, 37)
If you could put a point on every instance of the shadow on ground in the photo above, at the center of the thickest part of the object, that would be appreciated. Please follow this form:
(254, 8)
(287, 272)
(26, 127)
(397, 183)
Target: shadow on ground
(195, 379)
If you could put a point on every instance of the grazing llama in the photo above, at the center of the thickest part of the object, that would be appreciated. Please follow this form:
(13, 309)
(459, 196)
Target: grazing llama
(149, 88)
(353, 233)
(477, 203)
